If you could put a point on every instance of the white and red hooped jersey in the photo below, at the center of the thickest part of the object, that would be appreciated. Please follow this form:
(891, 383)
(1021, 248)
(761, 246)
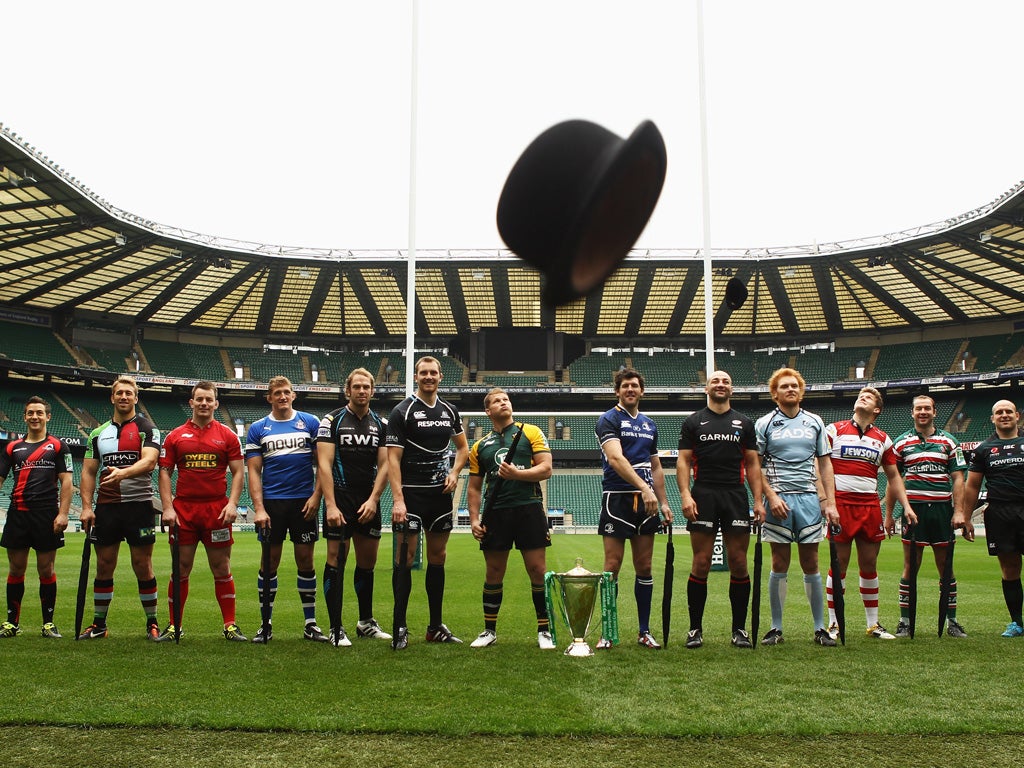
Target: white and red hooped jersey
(856, 457)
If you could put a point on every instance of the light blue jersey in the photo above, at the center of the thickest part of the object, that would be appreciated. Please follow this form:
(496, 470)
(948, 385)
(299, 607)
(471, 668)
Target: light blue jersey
(288, 454)
(788, 448)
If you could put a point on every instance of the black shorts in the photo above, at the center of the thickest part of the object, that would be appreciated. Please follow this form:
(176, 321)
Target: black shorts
(131, 521)
(623, 516)
(720, 506)
(349, 503)
(31, 529)
(286, 517)
(428, 509)
(1004, 528)
(526, 527)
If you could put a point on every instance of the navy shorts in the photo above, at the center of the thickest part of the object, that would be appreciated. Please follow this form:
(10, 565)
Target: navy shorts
(623, 516)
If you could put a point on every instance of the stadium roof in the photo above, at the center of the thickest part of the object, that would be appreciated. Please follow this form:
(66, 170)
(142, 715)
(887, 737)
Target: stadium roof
(65, 251)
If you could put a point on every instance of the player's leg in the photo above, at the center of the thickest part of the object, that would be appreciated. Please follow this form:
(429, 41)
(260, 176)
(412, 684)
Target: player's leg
(535, 561)
(366, 543)
(306, 585)
(17, 563)
(702, 545)
(737, 542)
(778, 582)
(867, 563)
(437, 553)
(219, 558)
(496, 563)
(106, 538)
(45, 562)
(813, 588)
(141, 538)
(642, 549)
(1013, 594)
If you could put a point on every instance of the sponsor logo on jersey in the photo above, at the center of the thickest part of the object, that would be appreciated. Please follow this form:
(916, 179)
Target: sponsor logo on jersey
(357, 440)
(859, 452)
(285, 443)
(200, 461)
(795, 433)
(120, 459)
(720, 436)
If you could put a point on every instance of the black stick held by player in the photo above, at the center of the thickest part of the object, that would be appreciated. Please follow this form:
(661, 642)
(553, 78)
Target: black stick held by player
(666, 595)
(946, 584)
(176, 583)
(401, 593)
(915, 566)
(838, 598)
(755, 595)
(83, 585)
(265, 592)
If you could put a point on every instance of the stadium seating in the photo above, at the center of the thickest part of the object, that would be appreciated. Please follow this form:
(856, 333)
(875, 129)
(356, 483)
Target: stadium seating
(596, 370)
(904, 361)
(35, 343)
(993, 353)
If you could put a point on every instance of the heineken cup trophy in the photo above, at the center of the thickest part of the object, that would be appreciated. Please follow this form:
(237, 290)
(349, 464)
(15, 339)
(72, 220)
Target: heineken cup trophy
(577, 592)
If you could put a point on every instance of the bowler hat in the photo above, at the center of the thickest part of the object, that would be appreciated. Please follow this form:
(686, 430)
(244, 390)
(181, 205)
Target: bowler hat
(576, 201)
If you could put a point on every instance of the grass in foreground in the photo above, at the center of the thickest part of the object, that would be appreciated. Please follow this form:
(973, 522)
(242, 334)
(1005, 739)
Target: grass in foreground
(793, 700)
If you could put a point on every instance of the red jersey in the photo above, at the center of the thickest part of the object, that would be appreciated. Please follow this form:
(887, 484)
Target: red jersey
(37, 468)
(856, 457)
(201, 455)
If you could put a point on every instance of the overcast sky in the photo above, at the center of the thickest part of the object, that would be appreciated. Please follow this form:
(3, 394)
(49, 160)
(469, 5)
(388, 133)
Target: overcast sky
(289, 123)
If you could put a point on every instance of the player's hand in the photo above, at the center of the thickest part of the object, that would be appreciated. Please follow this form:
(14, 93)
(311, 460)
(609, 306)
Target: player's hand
(479, 530)
(112, 476)
(831, 514)
(333, 516)
(310, 508)
(60, 522)
(229, 514)
(366, 511)
(168, 519)
(450, 482)
(508, 471)
(778, 507)
(87, 518)
(910, 516)
(261, 519)
(666, 512)
(968, 528)
(760, 513)
(690, 509)
(650, 501)
(889, 524)
(398, 512)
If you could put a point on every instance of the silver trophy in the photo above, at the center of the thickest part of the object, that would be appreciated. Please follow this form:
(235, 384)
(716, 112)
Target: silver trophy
(577, 591)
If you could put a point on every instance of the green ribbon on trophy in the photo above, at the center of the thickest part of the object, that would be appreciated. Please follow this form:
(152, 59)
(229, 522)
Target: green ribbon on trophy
(577, 593)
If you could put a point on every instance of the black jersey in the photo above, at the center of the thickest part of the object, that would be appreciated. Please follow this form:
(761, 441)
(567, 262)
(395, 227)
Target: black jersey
(718, 442)
(424, 433)
(1002, 464)
(36, 467)
(355, 441)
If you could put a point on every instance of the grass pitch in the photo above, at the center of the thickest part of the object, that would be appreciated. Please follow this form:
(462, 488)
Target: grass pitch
(122, 699)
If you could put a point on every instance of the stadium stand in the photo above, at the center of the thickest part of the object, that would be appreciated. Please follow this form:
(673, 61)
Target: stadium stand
(596, 369)
(993, 353)
(902, 361)
(671, 369)
(263, 365)
(820, 366)
(35, 343)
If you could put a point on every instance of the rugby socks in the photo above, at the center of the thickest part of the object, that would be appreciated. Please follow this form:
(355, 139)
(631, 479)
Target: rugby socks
(148, 597)
(1013, 594)
(48, 597)
(816, 597)
(643, 591)
(306, 583)
(333, 594)
(15, 594)
(696, 598)
(102, 594)
(739, 598)
(183, 587)
(777, 583)
(493, 594)
(540, 607)
(362, 581)
(401, 586)
(434, 583)
(829, 589)
(273, 590)
(869, 594)
(951, 605)
(904, 597)
(225, 591)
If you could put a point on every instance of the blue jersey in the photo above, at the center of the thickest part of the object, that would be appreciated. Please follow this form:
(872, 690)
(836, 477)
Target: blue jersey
(789, 448)
(638, 437)
(288, 454)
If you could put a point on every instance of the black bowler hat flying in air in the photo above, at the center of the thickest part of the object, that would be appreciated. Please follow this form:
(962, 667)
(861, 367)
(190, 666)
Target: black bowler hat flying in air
(576, 201)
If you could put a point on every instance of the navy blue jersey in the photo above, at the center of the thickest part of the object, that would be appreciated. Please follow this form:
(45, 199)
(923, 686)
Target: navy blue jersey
(638, 437)
(718, 442)
(287, 450)
(355, 442)
(424, 433)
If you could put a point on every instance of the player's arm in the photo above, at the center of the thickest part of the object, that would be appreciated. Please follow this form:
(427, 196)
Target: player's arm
(312, 505)
(474, 496)
(684, 468)
(254, 472)
(369, 507)
(325, 453)
(658, 478)
(67, 488)
(461, 457)
(892, 474)
(962, 517)
(168, 517)
(752, 467)
(230, 512)
(87, 488)
(540, 469)
(612, 449)
(776, 504)
(144, 465)
(826, 486)
(959, 496)
(398, 511)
